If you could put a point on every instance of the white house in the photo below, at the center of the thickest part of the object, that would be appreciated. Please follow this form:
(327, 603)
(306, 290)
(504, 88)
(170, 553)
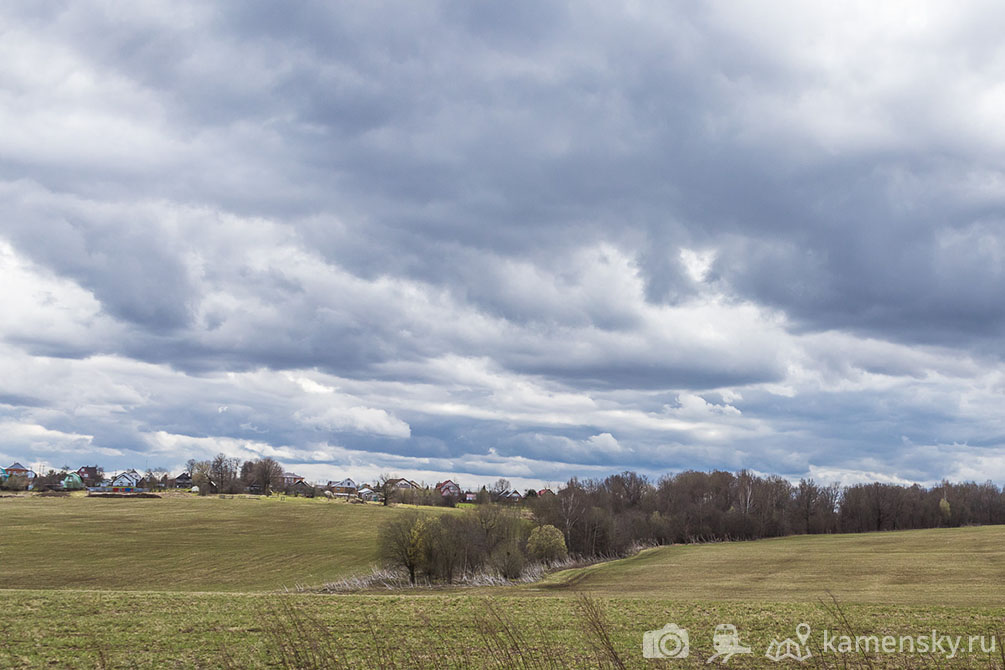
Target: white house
(347, 486)
(128, 479)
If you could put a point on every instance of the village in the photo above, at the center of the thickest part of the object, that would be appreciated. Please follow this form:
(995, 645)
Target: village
(263, 477)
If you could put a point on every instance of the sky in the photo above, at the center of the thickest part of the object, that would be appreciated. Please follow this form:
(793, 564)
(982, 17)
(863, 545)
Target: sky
(530, 240)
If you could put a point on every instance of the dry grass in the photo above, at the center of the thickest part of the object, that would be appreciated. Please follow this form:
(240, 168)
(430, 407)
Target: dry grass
(184, 543)
(951, 566)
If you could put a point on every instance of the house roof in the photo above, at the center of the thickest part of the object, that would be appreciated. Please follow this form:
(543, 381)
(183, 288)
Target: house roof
(16, 466)
(345, 483)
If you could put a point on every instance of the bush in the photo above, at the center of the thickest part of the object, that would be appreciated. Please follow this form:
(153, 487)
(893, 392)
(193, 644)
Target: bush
(508, 560)
(402, 542)
(547, 544)
(16, 483)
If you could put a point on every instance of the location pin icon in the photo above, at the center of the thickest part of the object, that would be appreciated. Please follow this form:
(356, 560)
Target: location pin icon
(803, 632)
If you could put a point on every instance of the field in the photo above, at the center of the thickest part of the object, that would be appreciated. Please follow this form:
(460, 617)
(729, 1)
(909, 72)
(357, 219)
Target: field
(183, 543)
(196, 583)
(958, 566)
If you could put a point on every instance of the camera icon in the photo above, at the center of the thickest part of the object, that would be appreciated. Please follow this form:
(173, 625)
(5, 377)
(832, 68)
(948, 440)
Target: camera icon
(670, 641)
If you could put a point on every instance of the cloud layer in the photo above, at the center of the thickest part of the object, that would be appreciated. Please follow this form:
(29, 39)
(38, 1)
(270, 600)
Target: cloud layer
(548, 240)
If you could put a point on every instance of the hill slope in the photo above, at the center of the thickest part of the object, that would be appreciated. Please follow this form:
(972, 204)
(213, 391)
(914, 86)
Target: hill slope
(183, 543)
(948, 566)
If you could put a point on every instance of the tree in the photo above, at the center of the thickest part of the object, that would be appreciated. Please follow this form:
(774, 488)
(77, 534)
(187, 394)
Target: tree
(500, 486)
(224, 470)
(386, 485)
(200, 475)
(546, 543)
(155, 478)
(16, 483)
(401, 542)
(268, 474)
(445, 546)
(248, 473)
(945, 510)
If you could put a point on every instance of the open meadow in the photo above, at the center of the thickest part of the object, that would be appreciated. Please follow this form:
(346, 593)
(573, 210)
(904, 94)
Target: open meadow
(200, 583)
(184, 542)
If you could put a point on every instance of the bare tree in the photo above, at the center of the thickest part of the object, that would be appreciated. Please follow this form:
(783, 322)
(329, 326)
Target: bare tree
(200, 475)
(401, 542)
(268, 474)
(224, 472)
(386, 485)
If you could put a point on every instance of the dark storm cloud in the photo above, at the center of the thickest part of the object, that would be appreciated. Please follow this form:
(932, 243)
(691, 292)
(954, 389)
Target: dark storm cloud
(521, 231)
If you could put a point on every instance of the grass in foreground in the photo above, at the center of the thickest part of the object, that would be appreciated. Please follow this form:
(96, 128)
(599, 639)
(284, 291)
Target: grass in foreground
(133, 630)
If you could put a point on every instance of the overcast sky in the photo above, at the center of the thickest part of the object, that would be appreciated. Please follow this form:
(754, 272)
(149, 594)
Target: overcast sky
(525, 239)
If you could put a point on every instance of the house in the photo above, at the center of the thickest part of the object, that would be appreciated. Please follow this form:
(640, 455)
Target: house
(469, 496)
(91, 475)
(366, 493)
(449, 489)
(302, 488)
(511, 495)
(545, 492)
(183, 481)
(18, 470)
(291, 478)
(129, 479)
(402, 484)
(346, 487)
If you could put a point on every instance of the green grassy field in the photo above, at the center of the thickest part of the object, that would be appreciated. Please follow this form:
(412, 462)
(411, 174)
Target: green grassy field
(958, 566)
(192, 583)
(184, 543)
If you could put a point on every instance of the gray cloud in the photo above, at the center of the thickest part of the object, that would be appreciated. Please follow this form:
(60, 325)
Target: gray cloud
(538, 241)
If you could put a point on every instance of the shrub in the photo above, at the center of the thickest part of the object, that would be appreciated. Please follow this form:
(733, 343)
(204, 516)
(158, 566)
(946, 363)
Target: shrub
(546, 543)
(508, 560)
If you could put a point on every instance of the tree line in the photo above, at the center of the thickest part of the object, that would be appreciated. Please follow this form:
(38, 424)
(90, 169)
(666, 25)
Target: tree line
(602, 517)
(610, 517)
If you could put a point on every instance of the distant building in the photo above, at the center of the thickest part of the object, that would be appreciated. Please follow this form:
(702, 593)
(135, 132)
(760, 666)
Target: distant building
(129, 479)
(346, 487)
(91, 475)
(511, 495)
(18, 470)
(183, 481)
(291, 478)
(402, 484)
(449, 489)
